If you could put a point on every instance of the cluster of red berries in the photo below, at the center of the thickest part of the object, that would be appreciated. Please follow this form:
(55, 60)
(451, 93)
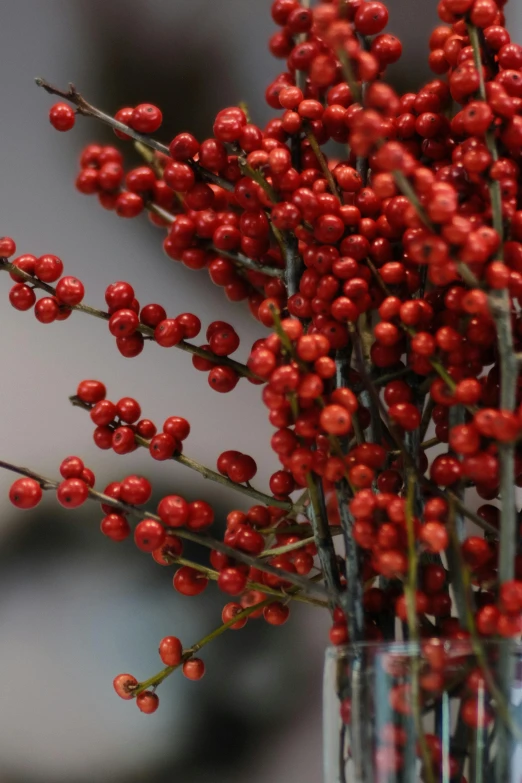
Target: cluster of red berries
(46, 269)
(128, 322)
(72, 492)
(102, 173)
(391, 280)
(238, 467)
(126, 318)
(171, 654)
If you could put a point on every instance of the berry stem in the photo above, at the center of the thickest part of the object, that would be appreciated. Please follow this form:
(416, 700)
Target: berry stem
(501, 702)
(457, 530)
(283, 595)
(282, 550)
(500, 305)
(158, 678)
(323, 537)
(256, 176)
(349, 75)
(246, 262)
(321, 159)
(352, 597)
(501, 312)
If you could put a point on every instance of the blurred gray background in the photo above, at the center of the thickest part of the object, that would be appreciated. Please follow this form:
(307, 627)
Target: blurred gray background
(76, 609)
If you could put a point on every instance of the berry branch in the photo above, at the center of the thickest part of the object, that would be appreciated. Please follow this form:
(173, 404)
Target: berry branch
(158, 678)
(290, 594)
(145, 330)
(193, 464)
(306, 585)
(86, 109)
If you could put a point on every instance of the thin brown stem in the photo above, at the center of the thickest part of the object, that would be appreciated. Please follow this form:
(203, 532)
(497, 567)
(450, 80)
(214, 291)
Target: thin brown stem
(321, 159)
(323, 539)
(282, 595)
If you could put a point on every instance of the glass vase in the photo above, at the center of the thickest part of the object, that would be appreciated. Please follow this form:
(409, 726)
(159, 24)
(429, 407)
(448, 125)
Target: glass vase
(438, 711)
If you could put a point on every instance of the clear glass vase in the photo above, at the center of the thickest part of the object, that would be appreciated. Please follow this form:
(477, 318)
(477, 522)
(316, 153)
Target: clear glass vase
(441, 711)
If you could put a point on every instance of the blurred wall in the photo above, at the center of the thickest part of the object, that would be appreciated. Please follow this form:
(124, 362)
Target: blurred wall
(76, 609)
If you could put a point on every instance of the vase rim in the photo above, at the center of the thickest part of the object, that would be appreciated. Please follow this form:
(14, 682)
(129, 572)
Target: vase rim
(405, 647)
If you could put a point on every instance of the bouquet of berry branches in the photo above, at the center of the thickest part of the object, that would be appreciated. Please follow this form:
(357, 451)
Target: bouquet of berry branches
(386, 277)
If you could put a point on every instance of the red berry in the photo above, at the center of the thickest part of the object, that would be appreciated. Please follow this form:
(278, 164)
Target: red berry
(190, 324)
(72, 492)
(124, 684)
(200, 515)
(119, 295)
(174, 510)
(152, 314)
(146, 118)
(124, 116)
(123, 323)
(336, 420)
(170, 650)
(188, 581)
(194, 669)
(115, 527)
(130, 346)
(276, 613)
(7, 247)
(128, 205)
(230, 611)
(168, 333)
(62, 116)
(22, 297)
(371, 18)
(26, 263)
(163, 446)
(135, 490)
(103, 413)
(167, 553)
(48, 268)
(149, 535)
(222, 379)
(70, 291)
(91, 391)
(25, 493)
(177, 427)
(232, 580)
(128, 409)
(147, 702)
(184, 146)
(46, 309)
(72, 467)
